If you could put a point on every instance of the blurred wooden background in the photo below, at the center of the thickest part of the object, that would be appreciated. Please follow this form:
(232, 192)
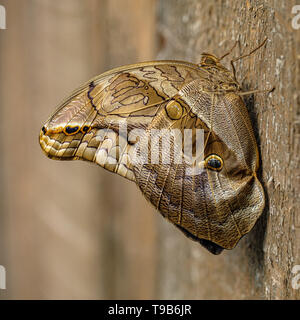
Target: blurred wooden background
(72, 230)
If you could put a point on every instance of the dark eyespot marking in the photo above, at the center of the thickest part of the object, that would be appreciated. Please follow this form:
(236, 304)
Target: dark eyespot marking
(71, 130)
(85, 129)
(214, 162)
(44, 130)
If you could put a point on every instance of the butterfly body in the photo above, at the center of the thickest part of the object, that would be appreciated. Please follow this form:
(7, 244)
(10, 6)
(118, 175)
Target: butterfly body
(119, 120)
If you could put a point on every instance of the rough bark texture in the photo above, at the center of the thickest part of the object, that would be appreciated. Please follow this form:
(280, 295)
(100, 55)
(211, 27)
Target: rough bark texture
(260, 266)
(73, 230)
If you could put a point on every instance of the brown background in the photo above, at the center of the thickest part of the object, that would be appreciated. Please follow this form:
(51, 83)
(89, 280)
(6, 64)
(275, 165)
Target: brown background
(71, 229)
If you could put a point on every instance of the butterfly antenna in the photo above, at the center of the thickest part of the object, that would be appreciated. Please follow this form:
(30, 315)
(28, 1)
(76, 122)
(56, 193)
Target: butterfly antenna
(245, 56)
(228, 53)
(250, 53)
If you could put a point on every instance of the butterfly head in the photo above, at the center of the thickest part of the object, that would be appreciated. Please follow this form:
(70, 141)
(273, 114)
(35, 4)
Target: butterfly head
(210, 61)
(213, 65)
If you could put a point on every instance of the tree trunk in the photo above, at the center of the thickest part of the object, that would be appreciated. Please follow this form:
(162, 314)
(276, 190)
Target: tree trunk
(261, 265)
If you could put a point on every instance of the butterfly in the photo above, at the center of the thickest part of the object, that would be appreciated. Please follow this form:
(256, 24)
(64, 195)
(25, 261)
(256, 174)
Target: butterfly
(119, 119)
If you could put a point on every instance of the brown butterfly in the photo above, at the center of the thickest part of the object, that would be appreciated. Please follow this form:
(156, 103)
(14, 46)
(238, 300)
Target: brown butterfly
(216, 204)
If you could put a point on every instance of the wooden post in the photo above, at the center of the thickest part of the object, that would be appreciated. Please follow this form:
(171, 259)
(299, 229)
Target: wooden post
(68, 229)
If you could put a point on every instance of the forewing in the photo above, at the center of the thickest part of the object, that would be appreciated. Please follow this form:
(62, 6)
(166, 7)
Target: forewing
(94, 123)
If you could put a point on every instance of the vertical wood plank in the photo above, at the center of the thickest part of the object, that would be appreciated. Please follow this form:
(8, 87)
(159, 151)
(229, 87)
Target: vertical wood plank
(71, 229)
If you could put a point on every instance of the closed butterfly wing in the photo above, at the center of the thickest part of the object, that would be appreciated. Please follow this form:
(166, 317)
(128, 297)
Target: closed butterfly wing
(88, 125)
(214, 200)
